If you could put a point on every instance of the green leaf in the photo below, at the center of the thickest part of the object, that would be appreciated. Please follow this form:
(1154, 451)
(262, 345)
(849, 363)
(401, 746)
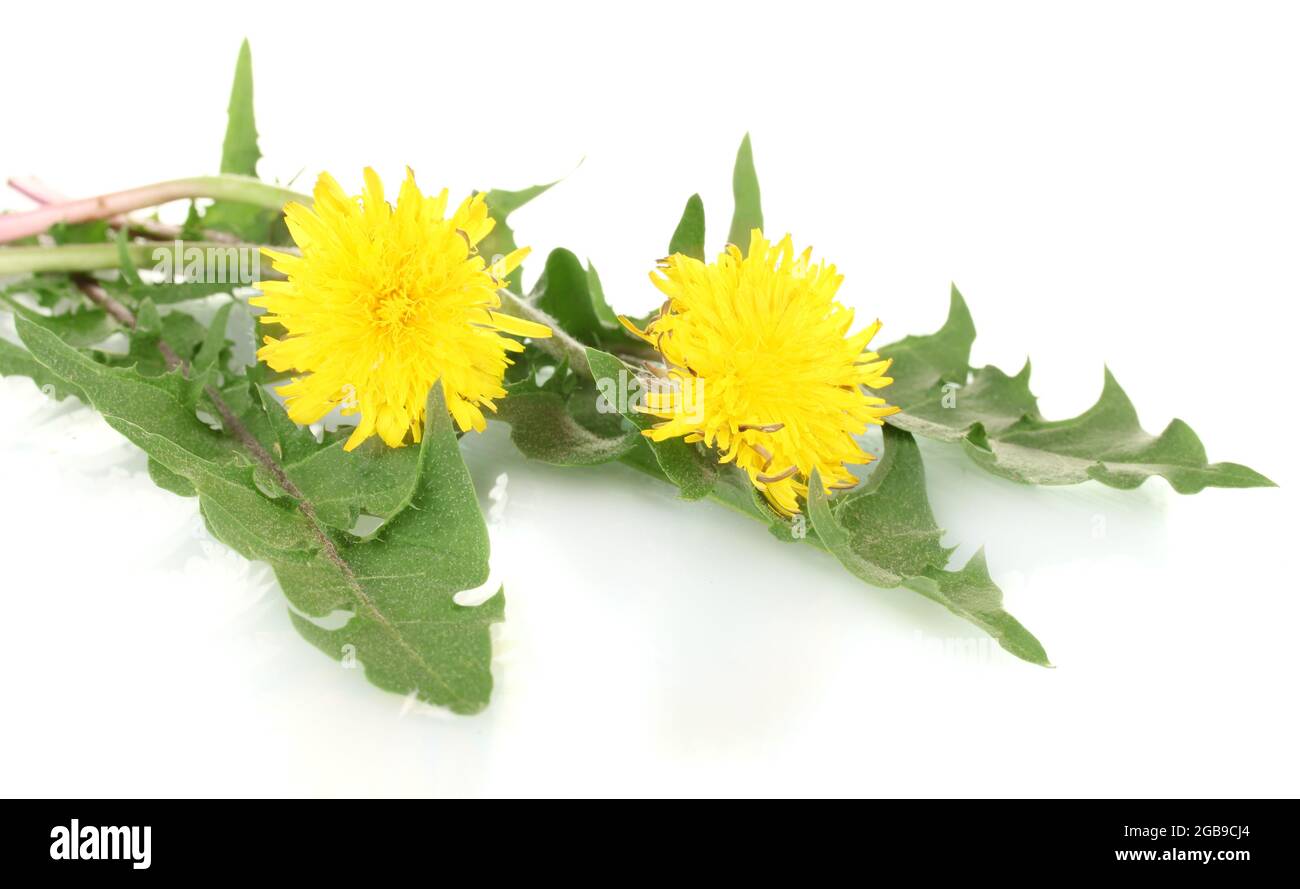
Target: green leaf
(126, 265)
(996, 420)
(564, 292)
(130, 289)
(574, 297)
(214, 342)
(83, 327)
(80, 232)
(744, 185)
(48, 290)
(885, 533)
(148, 321)
(80, 328)
(15, 361)
(406, 628)
(239, 151)
(166, 294)
(239, 155)
(207, 367)
(543, 427)
(501, 240)
(170, 481)
(192, 228)
(734, 490)
(502, 202)
(688, 466)
(256, 225)
(374, 480)
(179, 330)
(397, 586)
(688, 238)
(607, 316)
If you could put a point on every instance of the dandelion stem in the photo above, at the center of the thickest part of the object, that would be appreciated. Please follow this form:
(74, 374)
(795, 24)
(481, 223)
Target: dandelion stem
(559, 345)
(41, 193)
(241, 189)
(76, 258)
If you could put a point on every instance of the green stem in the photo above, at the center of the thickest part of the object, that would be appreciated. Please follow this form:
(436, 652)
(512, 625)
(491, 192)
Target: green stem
(74, 258)
(559, 345)
(239, 189)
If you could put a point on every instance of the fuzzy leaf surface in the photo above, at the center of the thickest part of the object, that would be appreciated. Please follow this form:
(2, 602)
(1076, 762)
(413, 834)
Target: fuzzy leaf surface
(884, 532)
(995, 419)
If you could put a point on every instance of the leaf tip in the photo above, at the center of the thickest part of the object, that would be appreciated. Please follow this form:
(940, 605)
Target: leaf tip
(978, 436)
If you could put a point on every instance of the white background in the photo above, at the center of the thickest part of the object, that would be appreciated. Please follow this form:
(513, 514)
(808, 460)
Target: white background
(1107, 183)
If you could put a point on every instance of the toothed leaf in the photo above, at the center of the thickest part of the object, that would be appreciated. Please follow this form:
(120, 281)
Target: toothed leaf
(885, 533)
(996, 419)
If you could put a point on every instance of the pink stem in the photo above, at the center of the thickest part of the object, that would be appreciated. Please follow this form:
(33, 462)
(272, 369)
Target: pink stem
(236, 188)
(37, 191)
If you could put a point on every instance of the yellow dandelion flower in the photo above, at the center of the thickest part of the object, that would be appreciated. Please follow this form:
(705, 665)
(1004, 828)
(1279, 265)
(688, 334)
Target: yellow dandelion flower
(383, 303)
(762, 367)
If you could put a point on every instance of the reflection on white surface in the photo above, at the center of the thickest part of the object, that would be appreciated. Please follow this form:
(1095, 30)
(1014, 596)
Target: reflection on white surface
(650, 646)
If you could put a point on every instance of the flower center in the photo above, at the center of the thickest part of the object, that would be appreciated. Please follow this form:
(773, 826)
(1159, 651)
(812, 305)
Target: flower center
(395, 309)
